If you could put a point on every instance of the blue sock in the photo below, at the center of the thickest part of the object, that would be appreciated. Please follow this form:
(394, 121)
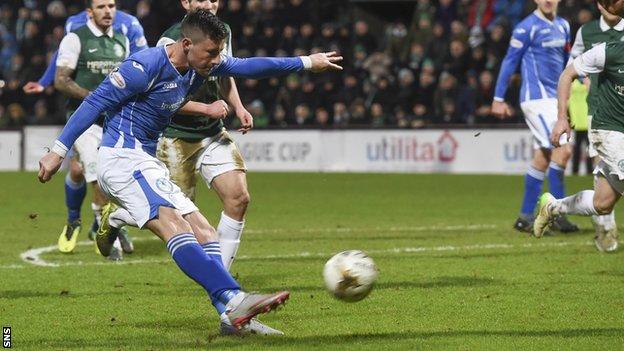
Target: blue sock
(74, 195)
(555, 181)
(213, 250)
(205, 271)
(532, 188)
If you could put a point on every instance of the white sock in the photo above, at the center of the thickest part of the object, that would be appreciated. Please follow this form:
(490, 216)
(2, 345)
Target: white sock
(606, 221)
(230, 231)
(581, 203)
(97, 211)
(224, 318)
(121, 217)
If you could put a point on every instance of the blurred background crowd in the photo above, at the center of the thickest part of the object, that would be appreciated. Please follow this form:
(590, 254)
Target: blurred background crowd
(408, 64)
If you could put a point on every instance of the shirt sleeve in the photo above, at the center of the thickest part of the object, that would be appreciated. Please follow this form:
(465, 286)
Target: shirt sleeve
(257, 67)
(578, 47)
(69, 51)
(519, 43)
(124, 82)
(592, 61)
(48, 76)
(136, 36)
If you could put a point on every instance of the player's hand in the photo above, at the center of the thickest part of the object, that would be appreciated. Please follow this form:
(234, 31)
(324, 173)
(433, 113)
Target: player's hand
(217, 110)
(33, 88)
(501, 110)
(562, 126)
(325, 61)
(246, 119)
(48, 165)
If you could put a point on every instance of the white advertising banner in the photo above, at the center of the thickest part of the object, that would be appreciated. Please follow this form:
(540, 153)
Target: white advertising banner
(10, 150)
(493, 151)
(36, 142)
(422, 151)
(280, 150)
(438, 151)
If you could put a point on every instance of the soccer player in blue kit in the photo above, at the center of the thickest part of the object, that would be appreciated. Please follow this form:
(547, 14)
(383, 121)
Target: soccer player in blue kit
(541, 43)
(140, 97)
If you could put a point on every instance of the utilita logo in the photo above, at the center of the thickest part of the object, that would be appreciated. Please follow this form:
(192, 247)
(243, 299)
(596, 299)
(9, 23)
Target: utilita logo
(519, 150)
(412, 149)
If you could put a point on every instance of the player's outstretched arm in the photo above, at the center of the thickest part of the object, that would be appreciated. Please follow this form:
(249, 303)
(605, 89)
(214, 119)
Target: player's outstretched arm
(46, 79)
(216, 110)
(263, 67)
(228, 89)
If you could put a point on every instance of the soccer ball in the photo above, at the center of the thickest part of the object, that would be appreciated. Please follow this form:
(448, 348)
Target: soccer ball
(350, 275)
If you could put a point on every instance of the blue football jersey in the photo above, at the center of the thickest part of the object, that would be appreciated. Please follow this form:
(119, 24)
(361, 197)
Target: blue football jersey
(541, 47)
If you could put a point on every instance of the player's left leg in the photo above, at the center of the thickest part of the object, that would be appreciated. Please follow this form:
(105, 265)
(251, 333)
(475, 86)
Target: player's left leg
(556, 170)
(231, 187)
(222, 167)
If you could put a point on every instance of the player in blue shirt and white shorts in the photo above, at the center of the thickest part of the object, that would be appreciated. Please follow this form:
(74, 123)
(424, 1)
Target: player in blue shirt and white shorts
(140, 97)
(540, 43)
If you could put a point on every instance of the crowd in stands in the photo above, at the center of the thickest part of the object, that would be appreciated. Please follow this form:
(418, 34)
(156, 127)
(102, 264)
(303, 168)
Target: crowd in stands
(437, 66)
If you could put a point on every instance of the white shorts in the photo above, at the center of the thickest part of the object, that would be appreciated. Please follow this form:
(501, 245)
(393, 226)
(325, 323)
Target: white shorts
(541, 116)
(139, 183)
(609, 145)
(86, 148)
(221, 155)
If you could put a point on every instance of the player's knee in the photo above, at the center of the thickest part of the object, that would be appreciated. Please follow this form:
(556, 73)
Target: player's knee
(603, 206)
(75, 172)
(238, 202)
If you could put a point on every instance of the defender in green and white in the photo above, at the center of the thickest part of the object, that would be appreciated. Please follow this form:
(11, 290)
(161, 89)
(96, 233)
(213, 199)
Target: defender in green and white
(606, 135)
(609, 28)
(192, 146)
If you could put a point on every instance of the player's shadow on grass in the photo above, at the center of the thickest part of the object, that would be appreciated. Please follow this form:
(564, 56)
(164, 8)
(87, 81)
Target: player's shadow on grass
(439, 282)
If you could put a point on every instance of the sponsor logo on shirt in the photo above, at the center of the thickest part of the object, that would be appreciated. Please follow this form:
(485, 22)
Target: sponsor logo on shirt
(138, 66)
(172, 107)
(555, 43)
(170, 85)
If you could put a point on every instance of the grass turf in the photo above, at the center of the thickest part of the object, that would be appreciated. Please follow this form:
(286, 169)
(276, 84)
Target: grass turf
(454, 275)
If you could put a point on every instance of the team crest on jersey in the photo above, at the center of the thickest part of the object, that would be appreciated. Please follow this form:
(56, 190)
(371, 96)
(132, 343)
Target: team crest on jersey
(619, 89)
(119, 50)
(621, 165)
(164, 185)
(117, 79)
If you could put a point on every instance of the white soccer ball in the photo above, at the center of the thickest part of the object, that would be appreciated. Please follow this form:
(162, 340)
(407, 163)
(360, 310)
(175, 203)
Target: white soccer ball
(350, 275)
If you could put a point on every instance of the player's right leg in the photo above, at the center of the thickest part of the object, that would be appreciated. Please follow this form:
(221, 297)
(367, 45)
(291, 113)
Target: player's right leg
(141, 185)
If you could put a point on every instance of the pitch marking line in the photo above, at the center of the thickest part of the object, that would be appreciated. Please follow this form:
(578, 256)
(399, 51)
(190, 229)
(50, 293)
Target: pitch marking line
(33, 256)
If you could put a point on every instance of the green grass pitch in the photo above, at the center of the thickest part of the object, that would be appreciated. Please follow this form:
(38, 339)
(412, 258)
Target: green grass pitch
(453, 274)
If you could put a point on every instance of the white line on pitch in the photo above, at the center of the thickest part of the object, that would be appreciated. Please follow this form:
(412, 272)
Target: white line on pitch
(33, 256)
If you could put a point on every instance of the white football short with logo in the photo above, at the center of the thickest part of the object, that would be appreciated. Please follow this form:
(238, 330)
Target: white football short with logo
(86, 148)
(541, 116)
(139, 183)
(609, 145)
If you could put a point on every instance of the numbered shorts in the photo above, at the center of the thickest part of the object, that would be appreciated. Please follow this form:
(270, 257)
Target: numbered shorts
(209, 157)
(139, 183)
(86, 149)
(610, 148)
(541, 116)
